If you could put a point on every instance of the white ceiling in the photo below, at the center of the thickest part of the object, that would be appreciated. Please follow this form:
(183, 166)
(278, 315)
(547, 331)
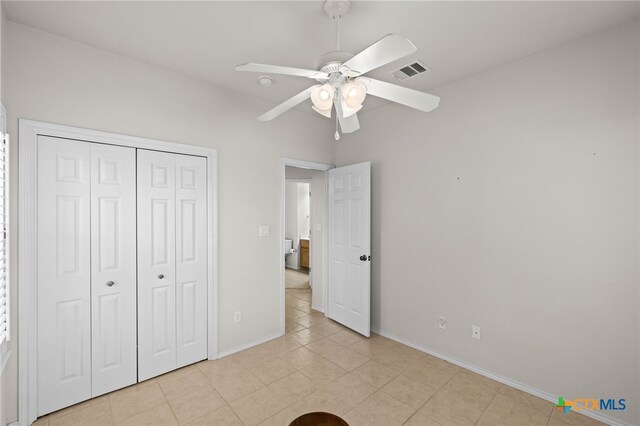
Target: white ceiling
(207, 39)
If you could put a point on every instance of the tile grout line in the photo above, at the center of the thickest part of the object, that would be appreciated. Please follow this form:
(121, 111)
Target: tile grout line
(319, 388)
(265, 385)
(167, 401)
(111, 408)
(223, 398)
(391, 396)
(234, 412)
(438, 390)
(488, 405)
(550, 415)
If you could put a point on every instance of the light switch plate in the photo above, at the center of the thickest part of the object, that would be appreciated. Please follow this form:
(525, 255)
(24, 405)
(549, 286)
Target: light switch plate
(264, 231)
(442, 323)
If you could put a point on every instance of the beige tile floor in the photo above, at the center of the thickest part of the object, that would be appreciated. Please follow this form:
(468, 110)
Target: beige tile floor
(296, 279)
(318, 366)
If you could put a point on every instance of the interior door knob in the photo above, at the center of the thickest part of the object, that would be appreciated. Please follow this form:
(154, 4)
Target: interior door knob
(110, 283)
(363, 258)
(161, 276)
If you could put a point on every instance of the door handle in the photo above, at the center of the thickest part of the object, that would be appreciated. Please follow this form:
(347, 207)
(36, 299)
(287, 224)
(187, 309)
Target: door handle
(363, 258)
(110, 283)
(161, 276)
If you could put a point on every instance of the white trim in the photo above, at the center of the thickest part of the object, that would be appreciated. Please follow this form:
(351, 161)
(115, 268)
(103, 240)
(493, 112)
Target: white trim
(498, 378)
(302, 164)
(299, 180)
(283, 178)
(249, 345)
(27, 207)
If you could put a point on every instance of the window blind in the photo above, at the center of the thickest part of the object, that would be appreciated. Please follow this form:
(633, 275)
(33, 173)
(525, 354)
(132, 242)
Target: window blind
(4, 247)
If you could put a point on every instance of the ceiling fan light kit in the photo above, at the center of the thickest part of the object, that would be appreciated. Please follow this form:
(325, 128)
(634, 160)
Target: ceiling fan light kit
(353, 93)
(340, 76)
(322, 98)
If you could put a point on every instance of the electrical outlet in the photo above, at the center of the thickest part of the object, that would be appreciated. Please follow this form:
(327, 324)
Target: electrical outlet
(475, 332)
(442, 323)
(237, 316)
(264, 231)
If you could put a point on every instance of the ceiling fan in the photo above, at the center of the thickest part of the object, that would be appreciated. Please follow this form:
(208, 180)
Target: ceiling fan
(341, 79)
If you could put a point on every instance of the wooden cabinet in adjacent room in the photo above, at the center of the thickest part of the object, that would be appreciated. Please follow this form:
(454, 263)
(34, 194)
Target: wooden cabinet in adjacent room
(304, 253)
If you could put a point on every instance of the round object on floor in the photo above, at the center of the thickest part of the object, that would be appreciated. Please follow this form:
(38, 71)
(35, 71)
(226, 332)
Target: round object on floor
(318, 419)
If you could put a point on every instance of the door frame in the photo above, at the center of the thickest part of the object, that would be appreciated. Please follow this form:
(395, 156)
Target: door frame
(28, 132)
(323, 167)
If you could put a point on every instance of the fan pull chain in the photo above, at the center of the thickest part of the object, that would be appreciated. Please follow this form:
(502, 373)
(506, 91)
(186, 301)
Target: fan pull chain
(337, 134)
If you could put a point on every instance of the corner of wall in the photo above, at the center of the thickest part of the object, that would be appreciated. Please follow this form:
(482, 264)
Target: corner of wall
(2, 41)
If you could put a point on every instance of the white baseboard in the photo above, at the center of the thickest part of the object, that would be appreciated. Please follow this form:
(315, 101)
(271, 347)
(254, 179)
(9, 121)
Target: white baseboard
(316, 308)
(249, 345)
(498, 378)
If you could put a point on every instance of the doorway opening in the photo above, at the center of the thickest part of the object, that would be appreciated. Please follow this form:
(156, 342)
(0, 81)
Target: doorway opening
(298, 242)
(303, 254)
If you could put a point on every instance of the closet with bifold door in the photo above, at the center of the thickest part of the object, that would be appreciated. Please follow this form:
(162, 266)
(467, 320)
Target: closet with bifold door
(121, 270)
(172, 264)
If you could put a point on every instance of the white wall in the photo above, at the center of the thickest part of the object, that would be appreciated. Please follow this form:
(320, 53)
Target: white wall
(514, 206)
(304, 210)
(60, 81)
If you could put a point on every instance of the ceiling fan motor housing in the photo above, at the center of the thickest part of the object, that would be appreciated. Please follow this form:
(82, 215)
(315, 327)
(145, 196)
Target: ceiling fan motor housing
(331, 62)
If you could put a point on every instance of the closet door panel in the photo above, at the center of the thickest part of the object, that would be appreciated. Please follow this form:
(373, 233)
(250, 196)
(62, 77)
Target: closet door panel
(156, 264)
(191, 259)
(64, 273)
(113, 267)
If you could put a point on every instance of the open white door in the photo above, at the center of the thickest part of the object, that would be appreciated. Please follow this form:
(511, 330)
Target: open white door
(349, 234)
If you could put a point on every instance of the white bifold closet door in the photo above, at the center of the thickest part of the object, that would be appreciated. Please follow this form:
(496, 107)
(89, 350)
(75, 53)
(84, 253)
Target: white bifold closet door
(172, 261)
(113, 268)
(86, 271)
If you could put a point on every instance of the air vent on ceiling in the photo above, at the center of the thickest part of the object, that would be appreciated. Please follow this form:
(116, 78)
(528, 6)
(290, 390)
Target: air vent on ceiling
(410, 70)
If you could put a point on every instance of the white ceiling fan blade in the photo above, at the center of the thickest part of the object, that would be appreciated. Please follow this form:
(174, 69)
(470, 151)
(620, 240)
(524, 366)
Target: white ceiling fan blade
(287, 105)
(276, 69)
(347, 124)
(402, 95)
(388, 49)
